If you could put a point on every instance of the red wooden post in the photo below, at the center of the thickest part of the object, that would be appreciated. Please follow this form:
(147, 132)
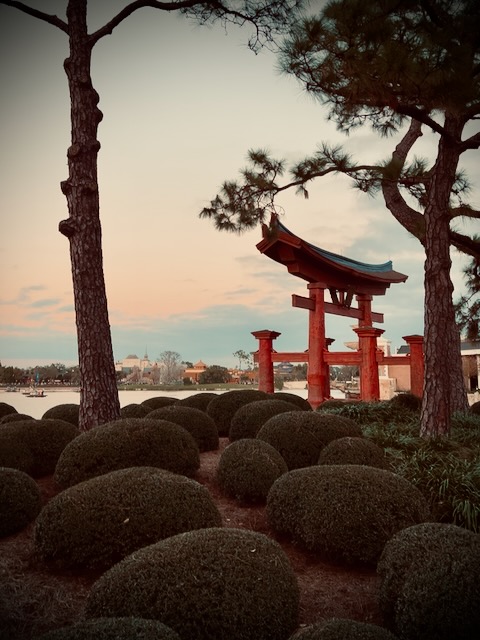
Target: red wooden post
(265, 363)
(369, 382)
(417, 366)
(365, 306)
(316, 377)
(326, 391)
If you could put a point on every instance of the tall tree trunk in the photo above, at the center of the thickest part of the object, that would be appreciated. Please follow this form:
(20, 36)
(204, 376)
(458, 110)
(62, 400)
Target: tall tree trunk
(444, 390)
(99, 401)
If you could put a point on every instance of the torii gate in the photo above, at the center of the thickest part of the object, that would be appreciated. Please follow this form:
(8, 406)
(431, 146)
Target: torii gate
(344, 279)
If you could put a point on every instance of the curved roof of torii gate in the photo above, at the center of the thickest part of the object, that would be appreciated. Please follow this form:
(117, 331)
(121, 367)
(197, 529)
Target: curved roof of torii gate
(313, 264)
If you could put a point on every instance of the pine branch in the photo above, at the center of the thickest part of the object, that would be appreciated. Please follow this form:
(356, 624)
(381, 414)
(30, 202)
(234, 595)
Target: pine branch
(51, 19)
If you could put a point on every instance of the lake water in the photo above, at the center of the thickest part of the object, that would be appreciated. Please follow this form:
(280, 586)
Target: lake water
(36, 407)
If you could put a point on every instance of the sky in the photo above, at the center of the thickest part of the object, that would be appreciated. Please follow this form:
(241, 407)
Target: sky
(182, 105)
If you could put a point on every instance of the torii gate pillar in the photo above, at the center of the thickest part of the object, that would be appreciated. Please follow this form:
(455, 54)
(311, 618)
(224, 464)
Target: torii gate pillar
(265, 363)
(367, 345)
(317, 375)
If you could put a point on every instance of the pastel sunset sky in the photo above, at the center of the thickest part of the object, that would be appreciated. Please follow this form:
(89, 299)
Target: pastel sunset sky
(182, 105)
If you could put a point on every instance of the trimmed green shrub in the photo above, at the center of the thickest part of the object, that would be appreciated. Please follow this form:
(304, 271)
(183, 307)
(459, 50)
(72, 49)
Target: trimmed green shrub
(247, 469)
(330, 427)
(47, 439)
(34, 446)
(353, 451)
(346, 513)
(100, 521)
(6, 408)
(299, 436)
(113, 629)
(129, 442)
(20, 500)
(159, 401)
(248, 419)
(407, 401)
(429, 582)
(343, 629)
(205, 584)
(67, 412)
(134, 410)
(198, 400)
(14, 417)
(195, 421)
(289, 435)
(475, 408)
(15, 451)
(298, 401)
(442, 601)
(223, 407)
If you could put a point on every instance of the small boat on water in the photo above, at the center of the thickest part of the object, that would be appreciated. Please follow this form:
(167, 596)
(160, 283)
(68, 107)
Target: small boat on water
(11, 389)
(36, 393)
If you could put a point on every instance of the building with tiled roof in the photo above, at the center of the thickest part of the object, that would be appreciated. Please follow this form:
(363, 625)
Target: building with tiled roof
(193, 373)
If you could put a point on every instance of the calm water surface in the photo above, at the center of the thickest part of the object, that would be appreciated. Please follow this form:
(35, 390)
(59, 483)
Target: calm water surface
(36, 407)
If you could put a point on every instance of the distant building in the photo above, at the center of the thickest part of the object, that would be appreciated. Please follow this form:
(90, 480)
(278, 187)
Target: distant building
(470, 353)
(194, 373)
(139, 370)
(283, 369)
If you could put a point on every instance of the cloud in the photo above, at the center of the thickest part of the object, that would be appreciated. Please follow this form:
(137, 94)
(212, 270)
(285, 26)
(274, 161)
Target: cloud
(24, 295)
(46, 302)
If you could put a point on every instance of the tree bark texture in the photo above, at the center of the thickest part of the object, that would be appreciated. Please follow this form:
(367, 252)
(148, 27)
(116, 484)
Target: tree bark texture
(444, 389)
(99, 401)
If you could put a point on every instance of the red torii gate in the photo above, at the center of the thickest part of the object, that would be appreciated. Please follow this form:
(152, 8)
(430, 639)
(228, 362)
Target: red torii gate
(344, 279)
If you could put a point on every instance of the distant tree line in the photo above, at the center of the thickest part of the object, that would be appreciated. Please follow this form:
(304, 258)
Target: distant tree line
(47, 374)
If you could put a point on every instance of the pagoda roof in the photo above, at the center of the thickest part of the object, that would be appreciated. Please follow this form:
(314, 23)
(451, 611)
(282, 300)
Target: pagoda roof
(314, 264)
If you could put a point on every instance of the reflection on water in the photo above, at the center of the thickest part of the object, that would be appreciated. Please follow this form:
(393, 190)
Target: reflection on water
(36, 407)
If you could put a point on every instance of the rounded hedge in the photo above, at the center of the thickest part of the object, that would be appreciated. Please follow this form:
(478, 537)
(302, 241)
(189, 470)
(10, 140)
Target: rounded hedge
(20, 500)
(68, 412)
(442, 601)
(14, 417)
(353, 451)
(475, 408)
(298, 401)
(346, 513)
(198, 400)
(332, 426)
(247, 469)
(223, 407)
(407, 401)
(343, 629)
(204, 584)
(134, 410)
(201, 426)
(289, 435)
(34, 446)
(129, 442)
(100, 521)
(429, 582)
(113, 629)
(159, 401)
(15, 451)
(248, 419)
(299, 436)
(6, 408)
